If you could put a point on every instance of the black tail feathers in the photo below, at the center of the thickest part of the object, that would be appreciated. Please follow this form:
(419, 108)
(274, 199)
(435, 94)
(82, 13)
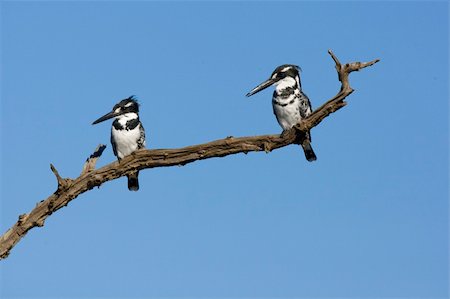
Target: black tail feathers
(309, 153)
(133, 182)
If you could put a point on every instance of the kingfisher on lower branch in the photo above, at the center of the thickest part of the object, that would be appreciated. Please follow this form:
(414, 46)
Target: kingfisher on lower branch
(290, 104)
(127, 133)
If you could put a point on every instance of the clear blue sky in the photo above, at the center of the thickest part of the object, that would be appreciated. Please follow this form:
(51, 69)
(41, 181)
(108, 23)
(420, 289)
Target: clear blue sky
(368, 219)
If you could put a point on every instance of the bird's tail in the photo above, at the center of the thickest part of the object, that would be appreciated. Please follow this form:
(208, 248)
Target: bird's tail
(309, 153)
(133, 182)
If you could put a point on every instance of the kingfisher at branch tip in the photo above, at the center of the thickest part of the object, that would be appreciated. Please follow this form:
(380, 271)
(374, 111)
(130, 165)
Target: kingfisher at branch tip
(290, 104)
(127, 133)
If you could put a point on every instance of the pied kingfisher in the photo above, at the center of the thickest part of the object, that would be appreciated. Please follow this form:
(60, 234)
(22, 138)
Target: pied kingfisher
(290, 104)
(127, 133)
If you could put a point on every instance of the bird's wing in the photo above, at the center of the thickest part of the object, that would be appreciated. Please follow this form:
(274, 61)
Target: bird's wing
(141, 140)
(305, 105)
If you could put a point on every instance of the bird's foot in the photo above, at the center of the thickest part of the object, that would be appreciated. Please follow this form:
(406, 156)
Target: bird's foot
(284, 134)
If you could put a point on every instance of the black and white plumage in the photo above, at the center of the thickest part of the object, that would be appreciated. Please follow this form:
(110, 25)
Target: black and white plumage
(127, 133)
(290, 104)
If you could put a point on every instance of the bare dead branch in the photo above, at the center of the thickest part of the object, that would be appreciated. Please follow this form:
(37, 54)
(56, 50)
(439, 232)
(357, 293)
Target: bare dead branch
(68, 189)
(89, 165)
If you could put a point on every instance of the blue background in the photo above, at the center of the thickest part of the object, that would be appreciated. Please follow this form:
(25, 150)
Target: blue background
(369, 218)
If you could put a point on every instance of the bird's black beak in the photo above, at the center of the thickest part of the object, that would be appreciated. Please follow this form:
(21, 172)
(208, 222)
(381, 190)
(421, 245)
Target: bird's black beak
(105, 117)
(261, 86)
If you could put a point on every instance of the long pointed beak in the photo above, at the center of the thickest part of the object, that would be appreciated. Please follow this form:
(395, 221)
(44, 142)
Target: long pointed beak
(105, 117)
(261, 86)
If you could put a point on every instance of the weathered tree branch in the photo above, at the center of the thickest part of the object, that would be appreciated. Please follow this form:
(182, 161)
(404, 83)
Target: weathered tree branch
(68, 189)
(89, 165)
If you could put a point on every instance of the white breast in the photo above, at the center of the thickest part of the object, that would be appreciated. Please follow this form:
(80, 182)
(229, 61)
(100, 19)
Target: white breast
(126, 141)
(287, 116)
(288, 113)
